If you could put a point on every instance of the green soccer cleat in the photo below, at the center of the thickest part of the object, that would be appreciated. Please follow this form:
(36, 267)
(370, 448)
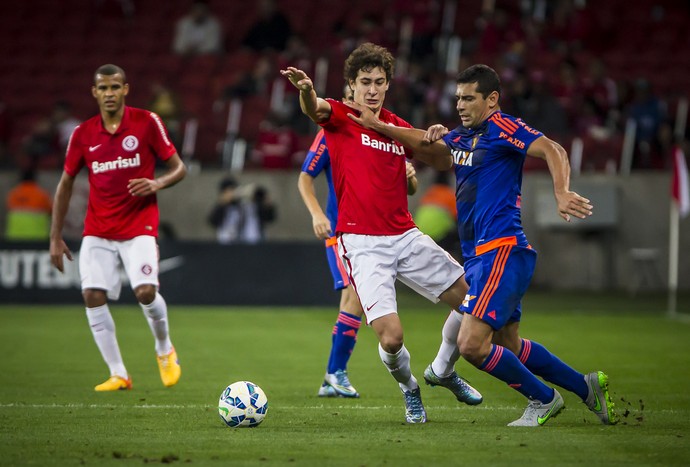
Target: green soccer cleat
(538, 413)
(460, 388)
(414, 409)
(598, 397)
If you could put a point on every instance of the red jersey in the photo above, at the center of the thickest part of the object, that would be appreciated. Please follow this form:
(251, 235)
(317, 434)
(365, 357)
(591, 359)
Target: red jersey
(368, 174)
(112, 161)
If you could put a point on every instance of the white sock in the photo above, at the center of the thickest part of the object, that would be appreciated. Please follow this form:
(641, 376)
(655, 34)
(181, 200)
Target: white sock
(448, 353)
(156, 314)
(398, 365)
(103, 330)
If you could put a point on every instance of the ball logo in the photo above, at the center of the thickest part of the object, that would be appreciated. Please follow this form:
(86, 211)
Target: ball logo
(130, 143)
(146, 269)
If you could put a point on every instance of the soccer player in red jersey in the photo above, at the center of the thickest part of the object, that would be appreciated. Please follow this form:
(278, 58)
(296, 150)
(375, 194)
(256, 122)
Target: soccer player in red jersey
(377, 239)
(119, 148)
(488, 151)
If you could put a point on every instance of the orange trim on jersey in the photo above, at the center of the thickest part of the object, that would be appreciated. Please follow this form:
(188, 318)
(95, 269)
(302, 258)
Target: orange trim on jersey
(508, 126)
(317, 140)
(494, 279)
(493, 244)
(331, 241)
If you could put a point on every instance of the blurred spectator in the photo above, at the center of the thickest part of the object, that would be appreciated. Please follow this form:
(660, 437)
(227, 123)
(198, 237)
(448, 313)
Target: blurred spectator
(199, 32)
(64, 123)
(648, 112)
(241, 212)
(532, 100)
(436, 214)
(167, 105)
(600, 88)
(271, 29)
(276, 144)
(252, 82)
(498, 30)
(569, 27)
(566, 88)
(41, 146)
(28, 210)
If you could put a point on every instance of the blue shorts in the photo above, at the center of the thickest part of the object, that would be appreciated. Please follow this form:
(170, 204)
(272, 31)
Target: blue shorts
(340, 277)
(498, 279)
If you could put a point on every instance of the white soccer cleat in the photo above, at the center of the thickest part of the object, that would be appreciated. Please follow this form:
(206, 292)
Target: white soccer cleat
(538, 413)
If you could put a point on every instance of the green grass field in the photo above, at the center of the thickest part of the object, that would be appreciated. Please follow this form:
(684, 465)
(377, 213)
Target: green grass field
(50, 415)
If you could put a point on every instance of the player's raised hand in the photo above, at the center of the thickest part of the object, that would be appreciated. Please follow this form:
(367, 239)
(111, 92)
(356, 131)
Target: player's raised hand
(298, 78)
(435, 133)
(58, 248)
(570, 203)
(143, 186)
(322, 226)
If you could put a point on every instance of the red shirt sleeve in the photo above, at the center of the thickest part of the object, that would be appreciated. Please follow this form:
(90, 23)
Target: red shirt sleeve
(159, 139)
(74, 157)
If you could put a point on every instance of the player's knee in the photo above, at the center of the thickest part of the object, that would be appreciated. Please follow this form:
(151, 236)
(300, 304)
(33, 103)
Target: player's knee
(94, 298)
(145, 294)
(391, 343)
(472, 351)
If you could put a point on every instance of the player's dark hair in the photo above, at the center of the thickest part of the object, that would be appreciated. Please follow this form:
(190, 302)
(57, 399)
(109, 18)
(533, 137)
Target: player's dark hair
(109, 70)
(367, 57)
(486, 78)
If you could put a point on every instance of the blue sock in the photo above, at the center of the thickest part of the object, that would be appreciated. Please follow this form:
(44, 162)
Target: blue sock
(543, 363)
(344, 338)
(504, 365)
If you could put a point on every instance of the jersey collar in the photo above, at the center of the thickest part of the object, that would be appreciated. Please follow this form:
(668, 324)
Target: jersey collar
(124, 124)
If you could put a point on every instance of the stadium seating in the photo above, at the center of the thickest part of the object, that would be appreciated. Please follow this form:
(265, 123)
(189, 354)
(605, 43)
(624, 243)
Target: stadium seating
(50, 49)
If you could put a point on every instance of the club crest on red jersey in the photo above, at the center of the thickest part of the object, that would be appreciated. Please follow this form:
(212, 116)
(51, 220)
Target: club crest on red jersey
(130, 143)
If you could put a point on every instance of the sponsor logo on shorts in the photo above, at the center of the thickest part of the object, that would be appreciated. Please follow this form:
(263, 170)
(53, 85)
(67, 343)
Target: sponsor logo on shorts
(467, 300)
(146, 269)
(130, 143)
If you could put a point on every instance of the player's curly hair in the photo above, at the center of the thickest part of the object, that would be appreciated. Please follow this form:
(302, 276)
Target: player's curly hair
(486, 78)
(367, 57)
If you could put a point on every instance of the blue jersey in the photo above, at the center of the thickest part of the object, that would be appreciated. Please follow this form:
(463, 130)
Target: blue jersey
(488, 164)
(318, 160)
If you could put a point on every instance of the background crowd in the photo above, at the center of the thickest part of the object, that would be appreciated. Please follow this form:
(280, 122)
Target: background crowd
(571, 68)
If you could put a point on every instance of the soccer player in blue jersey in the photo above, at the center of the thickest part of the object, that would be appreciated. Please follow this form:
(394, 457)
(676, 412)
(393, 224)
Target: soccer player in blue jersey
(487, 152)
(336, 381)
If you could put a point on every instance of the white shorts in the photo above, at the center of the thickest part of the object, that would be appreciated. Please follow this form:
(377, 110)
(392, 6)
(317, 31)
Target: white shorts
(99, 259)
(375, 261)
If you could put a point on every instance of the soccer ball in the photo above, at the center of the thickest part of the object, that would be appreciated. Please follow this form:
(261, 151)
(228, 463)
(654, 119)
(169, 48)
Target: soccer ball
(242, 404)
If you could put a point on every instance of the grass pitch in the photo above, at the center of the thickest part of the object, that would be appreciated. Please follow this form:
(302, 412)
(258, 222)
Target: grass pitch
(50, 415)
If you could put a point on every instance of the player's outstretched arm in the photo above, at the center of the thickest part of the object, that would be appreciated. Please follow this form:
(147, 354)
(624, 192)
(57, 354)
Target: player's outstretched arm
(321, 224)
(436, 153)
(145, 186)
(312, 106)
(569, 203)
(58, 247)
